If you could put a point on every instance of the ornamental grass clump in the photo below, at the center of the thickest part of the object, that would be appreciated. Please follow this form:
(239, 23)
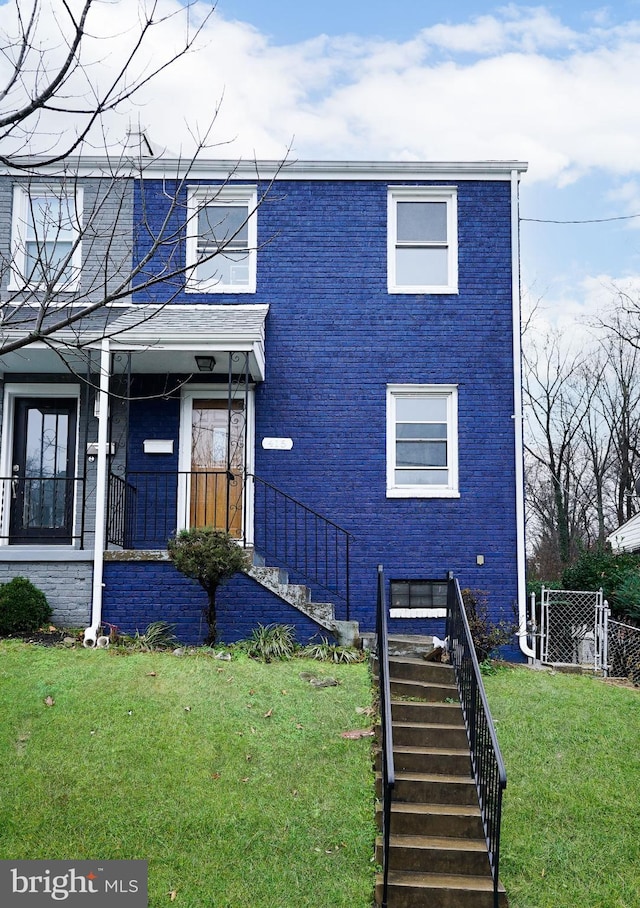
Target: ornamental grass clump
(209, 556)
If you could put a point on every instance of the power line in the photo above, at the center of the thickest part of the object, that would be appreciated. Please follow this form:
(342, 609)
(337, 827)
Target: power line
(623, 217)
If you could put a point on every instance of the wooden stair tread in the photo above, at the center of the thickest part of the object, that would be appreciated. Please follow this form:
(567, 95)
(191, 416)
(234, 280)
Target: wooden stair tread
(440, 777)
(419, 807)
(445, 843)
(442, 881)
(435, 726)
(439, 751)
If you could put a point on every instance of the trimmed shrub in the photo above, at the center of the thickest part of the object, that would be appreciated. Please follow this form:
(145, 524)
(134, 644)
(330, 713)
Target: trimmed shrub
(625, 600)
(23, 607)
(208, 556)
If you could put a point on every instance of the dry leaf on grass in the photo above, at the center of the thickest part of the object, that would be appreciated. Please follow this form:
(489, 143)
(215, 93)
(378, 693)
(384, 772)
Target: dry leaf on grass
(357, 733)
(268, 714)
(49, 701)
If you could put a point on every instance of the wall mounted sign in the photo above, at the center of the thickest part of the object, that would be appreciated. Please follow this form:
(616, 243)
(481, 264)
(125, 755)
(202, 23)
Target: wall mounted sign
(277, 444)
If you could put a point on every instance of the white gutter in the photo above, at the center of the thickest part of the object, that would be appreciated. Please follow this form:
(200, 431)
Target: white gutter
(91, 633)
(518, 417)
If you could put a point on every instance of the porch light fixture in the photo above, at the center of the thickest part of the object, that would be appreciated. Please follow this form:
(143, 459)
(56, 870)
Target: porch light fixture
(205, 363)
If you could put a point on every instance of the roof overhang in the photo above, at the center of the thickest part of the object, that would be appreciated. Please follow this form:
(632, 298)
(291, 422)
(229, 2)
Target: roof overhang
(160, 339)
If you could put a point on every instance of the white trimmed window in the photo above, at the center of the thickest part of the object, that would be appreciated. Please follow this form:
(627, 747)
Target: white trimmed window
(422, 240)
(222, 239)
(418, 599)
(422, 441)
(45, 238)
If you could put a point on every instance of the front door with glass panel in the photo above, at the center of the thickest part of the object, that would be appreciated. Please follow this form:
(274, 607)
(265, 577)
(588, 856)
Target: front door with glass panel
(42, 470)
(217, 465)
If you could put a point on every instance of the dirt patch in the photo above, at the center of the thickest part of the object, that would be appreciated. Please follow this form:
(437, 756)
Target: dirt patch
(45, 636)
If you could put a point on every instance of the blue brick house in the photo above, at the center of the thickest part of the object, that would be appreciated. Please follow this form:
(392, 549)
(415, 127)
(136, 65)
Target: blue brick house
(325, 363)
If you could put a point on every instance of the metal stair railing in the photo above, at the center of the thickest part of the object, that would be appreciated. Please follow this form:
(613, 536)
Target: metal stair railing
(486, 759)
(386, 730)
(301, 540)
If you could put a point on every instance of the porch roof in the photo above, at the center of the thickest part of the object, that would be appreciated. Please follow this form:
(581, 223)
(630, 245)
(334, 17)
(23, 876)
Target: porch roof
(161, 339)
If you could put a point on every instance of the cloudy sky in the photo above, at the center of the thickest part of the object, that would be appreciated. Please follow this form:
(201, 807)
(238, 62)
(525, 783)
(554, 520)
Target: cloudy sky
(556, 85)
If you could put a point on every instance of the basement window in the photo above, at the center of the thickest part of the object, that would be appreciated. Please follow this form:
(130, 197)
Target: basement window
(418, 599)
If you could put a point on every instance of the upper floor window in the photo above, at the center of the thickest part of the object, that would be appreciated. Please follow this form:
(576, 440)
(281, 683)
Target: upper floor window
(221, 239)
(422, 240)
(46, 238)
(422, 441)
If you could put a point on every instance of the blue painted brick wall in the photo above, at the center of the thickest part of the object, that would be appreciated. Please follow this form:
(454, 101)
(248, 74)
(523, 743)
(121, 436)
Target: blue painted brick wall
(335, 338)
(139, 593)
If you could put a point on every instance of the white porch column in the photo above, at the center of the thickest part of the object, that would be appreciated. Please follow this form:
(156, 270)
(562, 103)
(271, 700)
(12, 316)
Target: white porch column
(91, 633)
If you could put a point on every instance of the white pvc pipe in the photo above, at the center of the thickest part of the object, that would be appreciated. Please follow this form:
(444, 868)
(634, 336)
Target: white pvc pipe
(518, 417)
(91, 632)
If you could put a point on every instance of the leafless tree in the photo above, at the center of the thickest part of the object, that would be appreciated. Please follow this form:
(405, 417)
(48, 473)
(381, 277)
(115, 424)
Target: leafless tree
(557, 404)
(60, 75)
(73, 247)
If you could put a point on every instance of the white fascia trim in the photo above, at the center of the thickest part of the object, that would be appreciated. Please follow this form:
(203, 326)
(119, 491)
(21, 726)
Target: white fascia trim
(518, 418)
(159, 168)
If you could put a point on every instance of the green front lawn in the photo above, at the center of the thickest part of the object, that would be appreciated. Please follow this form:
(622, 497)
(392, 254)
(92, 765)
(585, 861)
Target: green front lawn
(231, 778)
(571, 826)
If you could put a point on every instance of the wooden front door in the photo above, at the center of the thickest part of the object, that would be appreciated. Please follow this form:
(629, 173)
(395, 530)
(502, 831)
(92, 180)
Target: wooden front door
(217, 465)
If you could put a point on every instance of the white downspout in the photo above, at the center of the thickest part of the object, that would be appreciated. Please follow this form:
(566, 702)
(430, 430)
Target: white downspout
(518, 417)
(91, 633)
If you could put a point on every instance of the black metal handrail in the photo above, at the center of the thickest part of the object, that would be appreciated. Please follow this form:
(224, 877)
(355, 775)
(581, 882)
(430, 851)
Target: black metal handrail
(145, 507)
(486, 759)
(388, 776)
(301, 540)
(49, 509)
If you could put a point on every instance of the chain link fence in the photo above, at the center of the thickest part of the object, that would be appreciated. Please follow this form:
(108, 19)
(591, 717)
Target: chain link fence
(572, 627)
(623, 651)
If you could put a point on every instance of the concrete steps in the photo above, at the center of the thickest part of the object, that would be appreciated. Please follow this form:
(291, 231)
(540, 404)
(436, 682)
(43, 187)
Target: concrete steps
(276, 580)
(437, 850)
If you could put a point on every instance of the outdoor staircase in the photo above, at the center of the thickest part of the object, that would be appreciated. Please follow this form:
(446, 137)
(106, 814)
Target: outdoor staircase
(276, 580)
(438, 854)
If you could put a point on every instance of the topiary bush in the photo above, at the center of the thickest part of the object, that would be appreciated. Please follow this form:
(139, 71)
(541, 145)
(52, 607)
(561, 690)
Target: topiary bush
(23, 607)
(208, 556)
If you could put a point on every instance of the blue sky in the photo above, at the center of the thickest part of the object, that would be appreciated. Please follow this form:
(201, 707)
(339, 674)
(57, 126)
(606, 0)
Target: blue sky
(554, 84)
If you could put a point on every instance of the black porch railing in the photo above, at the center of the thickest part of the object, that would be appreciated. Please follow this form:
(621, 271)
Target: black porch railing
(145, 508)
(388, 778)
(486, 759)
(42, 509)
(298, 538)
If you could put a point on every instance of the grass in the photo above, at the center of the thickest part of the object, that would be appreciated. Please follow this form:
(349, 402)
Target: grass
(571, 824)
(231, 778)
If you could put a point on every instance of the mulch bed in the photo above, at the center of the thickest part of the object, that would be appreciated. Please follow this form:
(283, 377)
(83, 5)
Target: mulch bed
(45, 636)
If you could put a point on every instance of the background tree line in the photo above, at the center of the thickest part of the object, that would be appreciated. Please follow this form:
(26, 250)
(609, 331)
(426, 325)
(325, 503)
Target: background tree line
(582, 437)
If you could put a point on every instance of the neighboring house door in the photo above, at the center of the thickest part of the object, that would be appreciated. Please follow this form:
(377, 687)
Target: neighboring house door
(42, 470)
(217, 464)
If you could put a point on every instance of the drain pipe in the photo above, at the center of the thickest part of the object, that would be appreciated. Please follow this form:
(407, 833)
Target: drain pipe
(91, 634)
(518, 417)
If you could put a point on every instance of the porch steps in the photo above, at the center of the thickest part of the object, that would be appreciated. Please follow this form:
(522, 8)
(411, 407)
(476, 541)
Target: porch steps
(276, 580)
(438, 854)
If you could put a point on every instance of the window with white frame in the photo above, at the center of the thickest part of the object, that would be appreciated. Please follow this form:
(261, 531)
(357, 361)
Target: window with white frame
(422, 241)
(418, 599)
(221, 239)
(422, 441)
(46, 237)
